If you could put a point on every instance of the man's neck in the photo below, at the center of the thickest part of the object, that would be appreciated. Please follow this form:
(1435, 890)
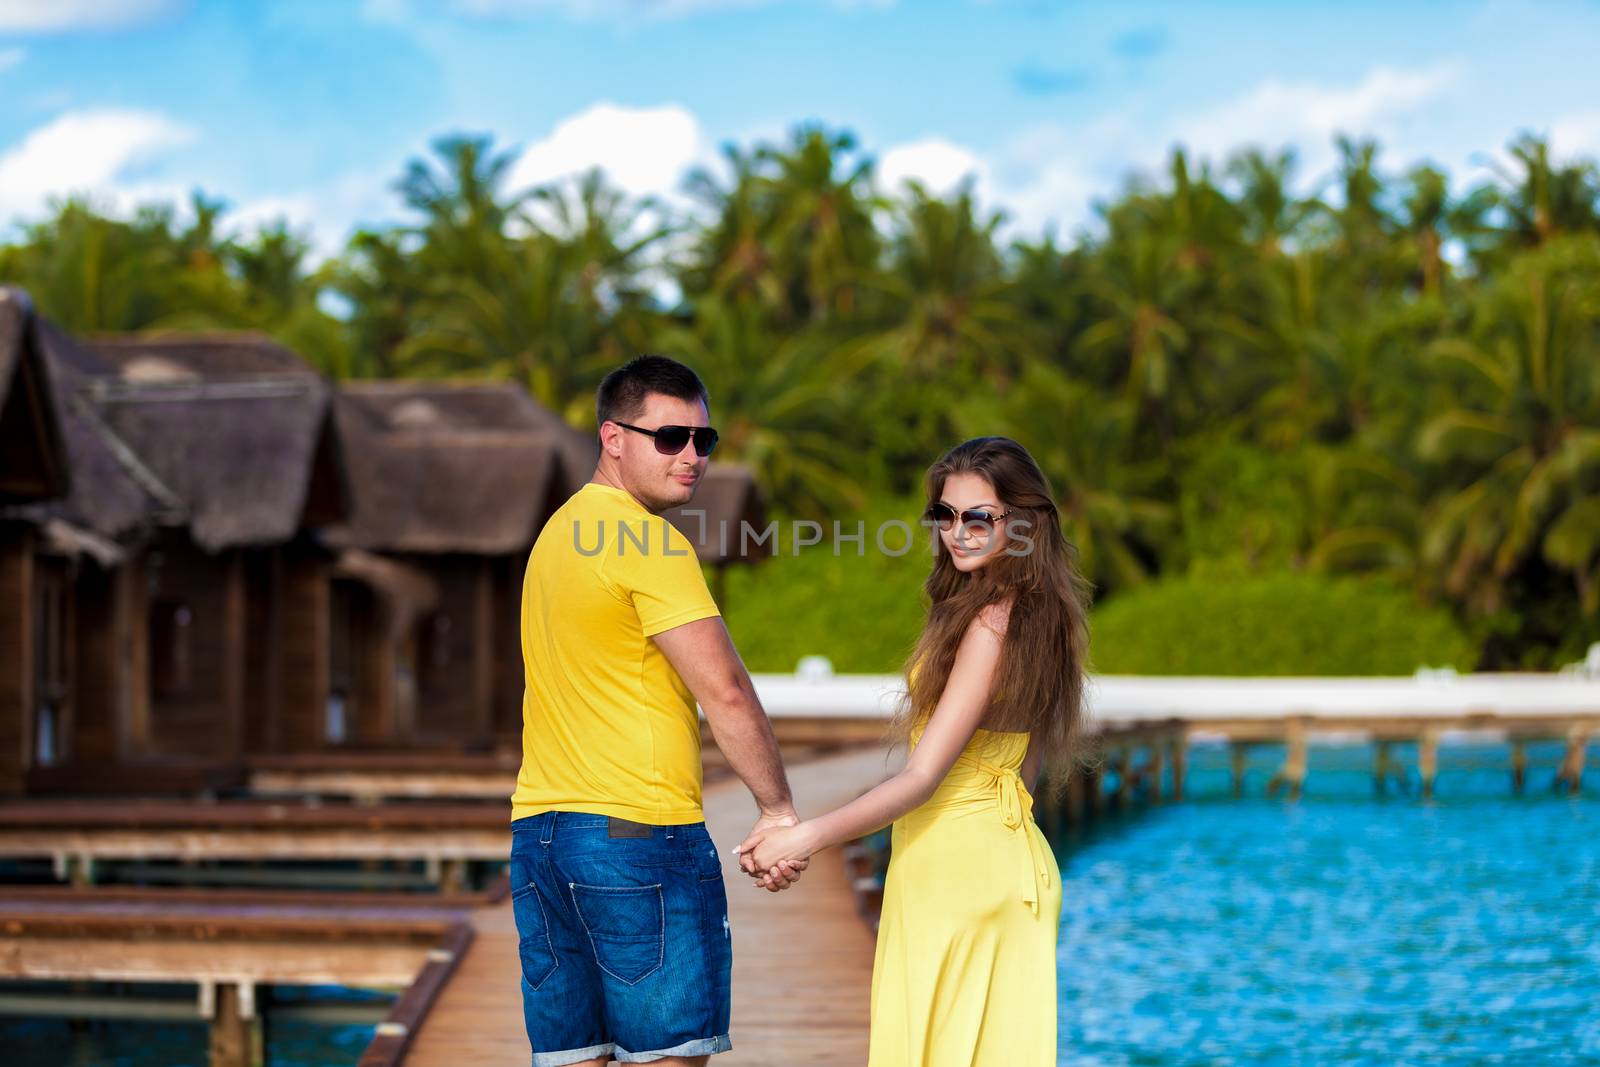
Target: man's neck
(608, 478)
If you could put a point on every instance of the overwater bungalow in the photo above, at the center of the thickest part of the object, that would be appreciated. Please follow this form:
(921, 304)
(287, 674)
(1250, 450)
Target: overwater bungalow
(247, 563)
(35, 469)
(451, 484)
(179, 594)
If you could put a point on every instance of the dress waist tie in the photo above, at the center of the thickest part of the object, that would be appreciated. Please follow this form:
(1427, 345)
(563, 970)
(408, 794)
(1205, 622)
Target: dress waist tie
(1016, 812)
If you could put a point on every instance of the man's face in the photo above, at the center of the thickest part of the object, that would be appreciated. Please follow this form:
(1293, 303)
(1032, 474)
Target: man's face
(659, 481)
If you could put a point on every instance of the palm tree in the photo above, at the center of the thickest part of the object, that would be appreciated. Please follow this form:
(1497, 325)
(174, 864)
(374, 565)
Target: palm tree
(1526, 436)
(941, 304)
(729, 257)
(1545, 200)
(1273, 215)
(821, 227)
(517, 319)
(1110, 503)
(787, 402)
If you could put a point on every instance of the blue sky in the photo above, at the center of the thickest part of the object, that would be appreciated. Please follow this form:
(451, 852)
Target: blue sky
(310, 109)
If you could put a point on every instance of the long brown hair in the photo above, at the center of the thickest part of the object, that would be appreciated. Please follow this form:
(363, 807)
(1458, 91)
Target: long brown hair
(1039, 682)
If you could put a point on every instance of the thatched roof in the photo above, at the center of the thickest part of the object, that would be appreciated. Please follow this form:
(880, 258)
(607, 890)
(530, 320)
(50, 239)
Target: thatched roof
(30, 435)
(481, 406)
(107, 504)
(235, 425)
(438, 468)
(728, 495)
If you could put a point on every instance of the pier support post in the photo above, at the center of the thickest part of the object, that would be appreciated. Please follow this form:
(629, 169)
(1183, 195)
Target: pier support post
(236, 1035)
(1291, 776)
(1095, 783)
(1428, 760)
(1382, 767)
(1571, 773)
(1519, 765)
(1153, 772)
(1237, 751)
(1076, 800)
(1047, 812)
(1124, 761)
(1180, 754)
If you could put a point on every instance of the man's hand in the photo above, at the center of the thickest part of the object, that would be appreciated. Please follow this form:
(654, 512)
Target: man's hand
(778, 876)
(783, 844)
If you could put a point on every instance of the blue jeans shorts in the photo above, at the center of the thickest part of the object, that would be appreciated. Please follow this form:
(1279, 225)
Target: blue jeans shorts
(624, 939)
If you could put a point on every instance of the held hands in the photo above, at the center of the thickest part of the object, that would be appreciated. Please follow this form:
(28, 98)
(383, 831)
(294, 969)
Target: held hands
(776, 851)
(783, 871)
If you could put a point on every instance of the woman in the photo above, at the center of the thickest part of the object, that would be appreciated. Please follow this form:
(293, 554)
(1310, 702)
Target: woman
(964, 974)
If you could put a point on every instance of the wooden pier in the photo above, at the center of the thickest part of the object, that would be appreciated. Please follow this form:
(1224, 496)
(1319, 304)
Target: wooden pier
(802, 965)
(229, 948)
(78, 836)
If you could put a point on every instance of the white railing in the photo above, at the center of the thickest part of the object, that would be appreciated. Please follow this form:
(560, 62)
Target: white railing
(1120, 698)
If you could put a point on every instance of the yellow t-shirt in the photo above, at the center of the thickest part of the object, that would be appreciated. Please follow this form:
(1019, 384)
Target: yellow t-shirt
(608, 727)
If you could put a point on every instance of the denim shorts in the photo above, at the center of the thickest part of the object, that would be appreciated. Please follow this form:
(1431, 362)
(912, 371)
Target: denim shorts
(624, 940)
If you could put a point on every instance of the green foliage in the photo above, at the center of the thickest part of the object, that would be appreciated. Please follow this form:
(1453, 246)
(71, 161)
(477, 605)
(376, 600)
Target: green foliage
(1280, 623)
(861, 608)
(1228, 379)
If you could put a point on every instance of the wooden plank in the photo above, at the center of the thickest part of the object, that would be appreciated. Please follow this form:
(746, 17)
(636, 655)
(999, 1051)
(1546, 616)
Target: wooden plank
(158, 778)
(115, 959)
(16, 657)
(183, 896)
(373, 786)
(395, 761)
(89, 817)
(395, 1034)
(302, 843)
(483, 623)
(802, 958)
(306, 641)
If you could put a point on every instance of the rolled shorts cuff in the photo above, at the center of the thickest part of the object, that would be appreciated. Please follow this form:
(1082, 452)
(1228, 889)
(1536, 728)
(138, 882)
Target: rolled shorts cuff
(704, 1046)
(572, 1055)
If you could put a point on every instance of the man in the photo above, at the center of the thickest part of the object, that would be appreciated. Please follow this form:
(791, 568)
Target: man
(616, 886)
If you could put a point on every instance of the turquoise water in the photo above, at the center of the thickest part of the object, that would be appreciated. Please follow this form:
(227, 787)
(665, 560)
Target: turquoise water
(53, 1043)
(290, 1042)
(1342, 929)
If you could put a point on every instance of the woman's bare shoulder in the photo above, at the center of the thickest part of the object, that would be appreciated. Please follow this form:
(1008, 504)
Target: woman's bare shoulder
(996, 616)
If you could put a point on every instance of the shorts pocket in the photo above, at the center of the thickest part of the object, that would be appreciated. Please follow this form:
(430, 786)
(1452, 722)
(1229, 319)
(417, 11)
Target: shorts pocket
(533, 935)
(627, 926)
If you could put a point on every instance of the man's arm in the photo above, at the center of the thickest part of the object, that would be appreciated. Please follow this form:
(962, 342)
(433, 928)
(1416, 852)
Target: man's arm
(703, 655)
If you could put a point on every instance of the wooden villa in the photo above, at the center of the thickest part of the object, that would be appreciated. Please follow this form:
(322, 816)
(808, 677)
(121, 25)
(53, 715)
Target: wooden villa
(249, 564)
(35, 470)
(180, 597)
(451, 484)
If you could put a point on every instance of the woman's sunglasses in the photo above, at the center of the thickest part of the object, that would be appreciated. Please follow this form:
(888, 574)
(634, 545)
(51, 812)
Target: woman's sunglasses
(671, 439)
(946, 516)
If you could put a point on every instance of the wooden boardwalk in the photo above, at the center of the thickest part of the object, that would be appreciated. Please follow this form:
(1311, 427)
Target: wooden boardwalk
(802, 959)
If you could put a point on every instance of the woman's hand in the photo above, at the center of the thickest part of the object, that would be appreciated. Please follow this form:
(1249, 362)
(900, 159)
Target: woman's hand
(768, 848)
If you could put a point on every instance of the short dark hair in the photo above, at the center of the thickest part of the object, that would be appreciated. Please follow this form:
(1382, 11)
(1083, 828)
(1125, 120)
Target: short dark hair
(622, 393)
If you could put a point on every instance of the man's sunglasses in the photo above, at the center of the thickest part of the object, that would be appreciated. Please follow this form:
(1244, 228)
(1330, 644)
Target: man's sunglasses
(671, 439)
(946, 516)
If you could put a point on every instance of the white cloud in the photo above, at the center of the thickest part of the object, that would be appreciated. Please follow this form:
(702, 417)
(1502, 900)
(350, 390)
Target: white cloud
(10, 57)
(644, 151)
(328, 215)
(625, 11)
(1576, 135)
(935, 162)
(1310, 116)
(89, 152)
(45, 16)
(1052, 173)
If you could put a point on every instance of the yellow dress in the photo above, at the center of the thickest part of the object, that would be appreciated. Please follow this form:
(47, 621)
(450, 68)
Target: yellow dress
(965, 970)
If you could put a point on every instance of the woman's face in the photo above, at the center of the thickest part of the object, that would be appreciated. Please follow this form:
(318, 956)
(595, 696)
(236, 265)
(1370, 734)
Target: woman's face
(971, 545)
